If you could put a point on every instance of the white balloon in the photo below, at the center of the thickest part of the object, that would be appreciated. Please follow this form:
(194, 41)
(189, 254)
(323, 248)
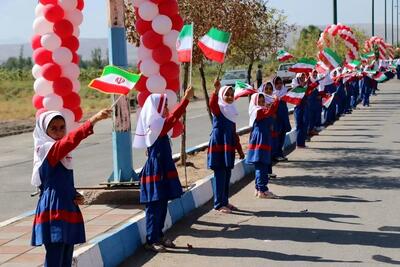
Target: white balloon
(172, 98)
(170, 39)
(77, 32)
(75, 16)
(51, 41)
(36, 71)
(148, 11)
(76, 86)
(156, 84)
(137, 3)
(175, 56)
(161, 24)
(41, 26)
(71, 71)
(68, 5)
(143, 53)
(39, 10)
(62, 56)
(43, 87)
(53, 102)
(149, 67)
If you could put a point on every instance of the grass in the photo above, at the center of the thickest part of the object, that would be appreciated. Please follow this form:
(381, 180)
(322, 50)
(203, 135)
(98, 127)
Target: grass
(16, 95)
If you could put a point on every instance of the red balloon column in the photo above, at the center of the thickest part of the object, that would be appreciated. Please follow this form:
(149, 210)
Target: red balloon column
(158, 23)
(56, 70)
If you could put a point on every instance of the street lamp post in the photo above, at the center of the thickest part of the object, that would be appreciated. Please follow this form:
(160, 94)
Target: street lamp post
(373, 17)
(385, 20)
(397, 28)
(334, 11)
(392, 22)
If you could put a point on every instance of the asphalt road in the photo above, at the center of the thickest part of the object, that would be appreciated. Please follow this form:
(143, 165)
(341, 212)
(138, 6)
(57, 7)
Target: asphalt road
(92, 159)
(339, 206)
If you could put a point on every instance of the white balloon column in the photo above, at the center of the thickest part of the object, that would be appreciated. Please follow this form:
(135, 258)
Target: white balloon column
(158, 24)
(56, 70)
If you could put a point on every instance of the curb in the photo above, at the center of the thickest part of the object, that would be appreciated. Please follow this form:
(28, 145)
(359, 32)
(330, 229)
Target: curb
(112, 248)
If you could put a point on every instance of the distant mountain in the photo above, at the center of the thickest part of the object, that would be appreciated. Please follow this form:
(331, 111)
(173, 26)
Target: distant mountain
(85, 49)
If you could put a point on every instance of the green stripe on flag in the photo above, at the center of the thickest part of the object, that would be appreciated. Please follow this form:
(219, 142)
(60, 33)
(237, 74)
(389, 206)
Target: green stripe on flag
(308, 61)
(298, 90)
(355, 63)
(186, 31)
(335, 56)
(127, 75)
(218, 35)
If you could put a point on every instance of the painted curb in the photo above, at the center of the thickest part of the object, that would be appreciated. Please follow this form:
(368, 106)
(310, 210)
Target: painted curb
(112, 248)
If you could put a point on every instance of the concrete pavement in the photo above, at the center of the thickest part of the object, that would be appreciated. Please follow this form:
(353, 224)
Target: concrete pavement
(92, 159)
(339, 204)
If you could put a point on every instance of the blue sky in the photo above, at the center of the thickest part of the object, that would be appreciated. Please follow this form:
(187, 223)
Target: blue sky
(17, 15)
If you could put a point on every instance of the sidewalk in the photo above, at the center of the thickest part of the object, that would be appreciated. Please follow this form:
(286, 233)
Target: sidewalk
(15, 250)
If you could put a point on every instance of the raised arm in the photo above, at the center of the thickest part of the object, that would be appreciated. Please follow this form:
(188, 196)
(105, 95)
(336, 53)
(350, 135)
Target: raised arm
(268, 112)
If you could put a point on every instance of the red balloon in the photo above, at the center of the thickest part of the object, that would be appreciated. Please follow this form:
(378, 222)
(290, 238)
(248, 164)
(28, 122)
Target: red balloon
(72, 101)
(80, 5)
(51, 71)
(152, 40)
(36, 42)
(177, 130)
(37, 101)
(75, 58)
(63, 28)
(53, 13)
(169, 70)
(177, 22)
(40, 111)
(62, 86)
(78, 112)
(162, 54)
(142, 26)
(71, 42)
(173, 84)
(140, 86)
(42, 56)
(46, 2)
(142, 96)
(169, 8)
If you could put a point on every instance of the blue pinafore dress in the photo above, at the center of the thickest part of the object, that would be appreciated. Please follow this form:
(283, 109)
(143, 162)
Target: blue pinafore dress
(260, 143)
(57, 219)
(222, 145)
(159, 178)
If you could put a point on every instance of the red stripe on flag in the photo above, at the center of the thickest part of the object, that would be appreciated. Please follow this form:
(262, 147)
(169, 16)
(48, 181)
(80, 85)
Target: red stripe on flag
(212, 54)
(185, 56)
(109, 88)
(292, 100)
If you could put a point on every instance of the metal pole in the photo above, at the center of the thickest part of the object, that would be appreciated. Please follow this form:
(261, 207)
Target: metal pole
(397, 28)
(121, 135)
(334, 11)
(385, 20)
(392, 22)
(373, 17)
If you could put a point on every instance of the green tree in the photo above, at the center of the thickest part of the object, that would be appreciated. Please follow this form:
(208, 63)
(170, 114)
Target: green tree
(306, 45)
(97, 58)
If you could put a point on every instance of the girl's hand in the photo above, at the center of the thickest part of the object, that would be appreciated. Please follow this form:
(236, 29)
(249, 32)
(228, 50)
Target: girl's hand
(217, 85)
(101, 115)
(79, 199)
(189, 93)
(241, 155)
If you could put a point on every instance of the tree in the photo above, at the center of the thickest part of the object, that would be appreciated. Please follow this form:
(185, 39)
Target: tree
(97, 58)
(306, 45)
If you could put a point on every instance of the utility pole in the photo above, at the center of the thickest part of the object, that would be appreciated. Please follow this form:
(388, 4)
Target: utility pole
(385, 20)
(397, 28)
(392, 22)
(373, 17)
(334, 11)
(121, 135)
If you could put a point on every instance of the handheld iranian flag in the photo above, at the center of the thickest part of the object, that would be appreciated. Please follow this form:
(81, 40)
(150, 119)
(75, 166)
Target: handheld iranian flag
(295, 96)
(184, 44)
(327, 101)
(215, 44)
(353, 65)
(330, 58)
(303, 65)
(380, 77)
(321, 67)
(243, 89)
(284, 56)
(115, 81)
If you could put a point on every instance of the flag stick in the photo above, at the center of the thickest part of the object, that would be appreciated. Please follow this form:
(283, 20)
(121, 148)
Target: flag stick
(219, 70)
(116, 102)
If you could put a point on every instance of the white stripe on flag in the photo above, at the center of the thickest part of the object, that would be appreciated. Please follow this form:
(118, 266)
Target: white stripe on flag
(117, 80)
(214, 44)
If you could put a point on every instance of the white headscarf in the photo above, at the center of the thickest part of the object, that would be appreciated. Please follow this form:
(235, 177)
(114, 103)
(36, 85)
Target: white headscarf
(228, 110)
(295, 81)
(279, 93)
(254, 107)
(150, 122)
(42, 145)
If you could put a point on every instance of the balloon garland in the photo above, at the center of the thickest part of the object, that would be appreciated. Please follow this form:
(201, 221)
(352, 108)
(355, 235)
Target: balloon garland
(158, 24)
(378, 42)
(56, 71)
(346, 34)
